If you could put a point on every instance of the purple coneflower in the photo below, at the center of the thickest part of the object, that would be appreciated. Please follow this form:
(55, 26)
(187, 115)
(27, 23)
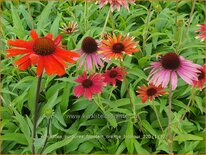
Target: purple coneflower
(168, 67)
(89, 54)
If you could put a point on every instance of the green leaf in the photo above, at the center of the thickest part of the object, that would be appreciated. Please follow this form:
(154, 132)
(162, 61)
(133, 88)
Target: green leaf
(111, 119)
(186, 137)
(129, 140)
(120, 102)
(148, 127)
(199, 102)
(139, 148)
(55, 26)
(59, 144)
(44, 16)
(18, 27)
(17, 137)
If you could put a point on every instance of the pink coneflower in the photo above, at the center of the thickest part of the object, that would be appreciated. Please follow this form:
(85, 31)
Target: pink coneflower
(149, 92)
(89, 54)
(89, 85)
(116, 3)
(169, 65)
(114, 74)
(201, 77)
(202, 31)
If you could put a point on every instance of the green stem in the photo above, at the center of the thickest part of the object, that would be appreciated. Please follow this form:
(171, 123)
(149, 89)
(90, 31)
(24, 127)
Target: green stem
(105, 23)
(170, 138)
(36, 112)
(145, 32)
(176, 10)
(97, 100)
(190, 18)
(85, 15)
(189, 103)
(158, 119)
(130, 99)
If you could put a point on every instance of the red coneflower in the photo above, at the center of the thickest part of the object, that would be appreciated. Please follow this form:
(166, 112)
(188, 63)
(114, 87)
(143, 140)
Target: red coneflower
(116, 3)
(42, 52)
(114, 74)
(168, 67)
(149, 92)
(202, 31)
(89, 54)
(115, 46)
(89, 85)
(201, 77)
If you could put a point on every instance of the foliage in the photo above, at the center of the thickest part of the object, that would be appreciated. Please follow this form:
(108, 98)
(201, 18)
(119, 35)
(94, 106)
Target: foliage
(77, 125)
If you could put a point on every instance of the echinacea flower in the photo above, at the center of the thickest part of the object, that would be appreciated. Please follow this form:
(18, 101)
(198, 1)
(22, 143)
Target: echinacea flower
(115, 46)
(201, 77)
(169, 66)
(111, 76)
(42, 52)
(117, 3)
(149, 92)
(89, 54)
(202, 31)
(70, 28)
(89, 85)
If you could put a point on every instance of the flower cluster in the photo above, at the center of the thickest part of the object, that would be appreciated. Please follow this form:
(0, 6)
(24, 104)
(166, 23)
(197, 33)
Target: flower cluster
(48, 55)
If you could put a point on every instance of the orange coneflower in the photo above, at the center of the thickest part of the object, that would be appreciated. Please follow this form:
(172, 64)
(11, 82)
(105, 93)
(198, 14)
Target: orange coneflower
(149, 92)
(115, 46)
(42, 52)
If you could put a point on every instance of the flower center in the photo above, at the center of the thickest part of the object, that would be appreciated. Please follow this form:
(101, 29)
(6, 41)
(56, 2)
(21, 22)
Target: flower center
(89, 45)
(170, 61)
(44, 46)
(151, 91)
(69, 30)
(118, 48)
(87, 83)
(113, 74)
(201, 75)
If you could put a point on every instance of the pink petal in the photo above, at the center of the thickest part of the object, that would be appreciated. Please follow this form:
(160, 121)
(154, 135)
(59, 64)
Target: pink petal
(174, 80)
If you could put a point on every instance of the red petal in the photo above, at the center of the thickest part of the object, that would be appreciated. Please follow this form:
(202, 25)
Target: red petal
(34, 59)
(67, 53)
(25, 65)
(22, 60)
(57, 40)
(15, 51)
(48, 65)
(33, 34)
(20, 43)
(40, 67)
(49, 36)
